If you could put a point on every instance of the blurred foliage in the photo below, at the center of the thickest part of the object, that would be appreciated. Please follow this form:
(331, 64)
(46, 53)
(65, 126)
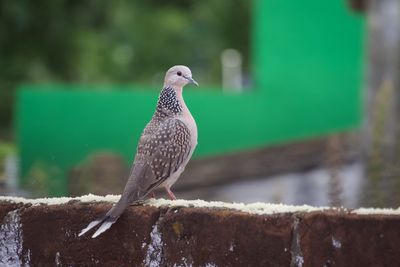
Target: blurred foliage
(119, 41)
(42, 178)
(6, 150)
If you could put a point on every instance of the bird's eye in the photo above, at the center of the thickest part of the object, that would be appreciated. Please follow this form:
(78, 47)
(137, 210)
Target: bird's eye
(179, 73)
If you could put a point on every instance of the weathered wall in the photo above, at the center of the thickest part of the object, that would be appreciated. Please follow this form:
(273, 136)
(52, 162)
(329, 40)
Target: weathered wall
(46, 235)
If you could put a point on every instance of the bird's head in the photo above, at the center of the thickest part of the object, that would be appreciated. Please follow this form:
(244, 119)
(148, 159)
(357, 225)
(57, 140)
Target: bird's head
(179, 76)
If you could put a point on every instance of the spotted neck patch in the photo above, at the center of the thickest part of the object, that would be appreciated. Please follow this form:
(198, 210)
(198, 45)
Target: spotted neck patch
(168, 102)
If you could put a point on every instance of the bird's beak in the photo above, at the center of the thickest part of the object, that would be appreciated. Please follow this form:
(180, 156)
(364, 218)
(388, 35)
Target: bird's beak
(191, 80)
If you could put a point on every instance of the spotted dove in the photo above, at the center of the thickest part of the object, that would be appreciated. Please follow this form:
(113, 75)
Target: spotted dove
(165, 147)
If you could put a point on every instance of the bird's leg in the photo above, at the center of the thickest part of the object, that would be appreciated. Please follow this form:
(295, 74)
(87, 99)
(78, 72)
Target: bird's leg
(153, 195)
(171, 195)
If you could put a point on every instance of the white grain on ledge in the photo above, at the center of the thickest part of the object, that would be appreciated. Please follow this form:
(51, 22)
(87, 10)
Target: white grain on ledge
(385, 211)
(255, 208)
(61, 200)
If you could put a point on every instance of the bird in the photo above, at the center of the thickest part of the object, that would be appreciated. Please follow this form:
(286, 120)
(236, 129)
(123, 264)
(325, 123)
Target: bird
(164, 148)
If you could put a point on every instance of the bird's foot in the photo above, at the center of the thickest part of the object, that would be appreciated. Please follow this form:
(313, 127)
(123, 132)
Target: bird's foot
(171, 195)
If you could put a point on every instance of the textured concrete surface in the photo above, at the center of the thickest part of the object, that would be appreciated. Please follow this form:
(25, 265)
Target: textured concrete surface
(47, 235)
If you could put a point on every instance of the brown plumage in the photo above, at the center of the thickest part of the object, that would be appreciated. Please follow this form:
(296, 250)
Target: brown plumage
(164, 148)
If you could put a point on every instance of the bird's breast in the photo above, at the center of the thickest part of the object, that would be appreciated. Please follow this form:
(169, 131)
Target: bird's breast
(190, 123)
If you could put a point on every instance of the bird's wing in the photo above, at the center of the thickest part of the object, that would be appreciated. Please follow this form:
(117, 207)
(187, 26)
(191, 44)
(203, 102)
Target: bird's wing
(164, 152)
(159, 154)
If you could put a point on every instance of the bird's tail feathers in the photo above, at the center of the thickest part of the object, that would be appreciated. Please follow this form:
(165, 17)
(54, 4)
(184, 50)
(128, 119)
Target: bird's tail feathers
(129, 196)
(106, 223)
(104, 226)
(90, 226)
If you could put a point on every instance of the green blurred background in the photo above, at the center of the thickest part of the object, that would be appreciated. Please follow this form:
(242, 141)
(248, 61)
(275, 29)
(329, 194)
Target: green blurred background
(82, 77)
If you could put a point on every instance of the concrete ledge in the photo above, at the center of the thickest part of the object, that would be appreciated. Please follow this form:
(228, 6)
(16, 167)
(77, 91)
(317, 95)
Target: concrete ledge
(195, 233)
